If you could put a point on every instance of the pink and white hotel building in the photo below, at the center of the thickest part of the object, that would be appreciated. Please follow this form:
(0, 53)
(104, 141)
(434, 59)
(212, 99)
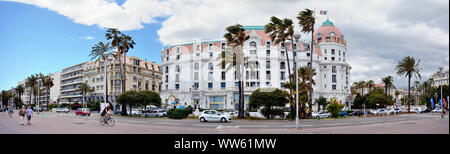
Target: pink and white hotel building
(193, 76)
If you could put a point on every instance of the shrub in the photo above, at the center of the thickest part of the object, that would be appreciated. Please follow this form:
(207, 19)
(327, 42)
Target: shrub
(178, 113)
(334, 108)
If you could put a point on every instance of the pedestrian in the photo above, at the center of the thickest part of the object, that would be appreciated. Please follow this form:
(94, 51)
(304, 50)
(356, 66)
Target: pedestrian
(22, 115)
(29, 113)
(11, 111)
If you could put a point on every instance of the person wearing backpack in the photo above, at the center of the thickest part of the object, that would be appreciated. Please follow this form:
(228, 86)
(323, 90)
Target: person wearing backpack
(22, 115)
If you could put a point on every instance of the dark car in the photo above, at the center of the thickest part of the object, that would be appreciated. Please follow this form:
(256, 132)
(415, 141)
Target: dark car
(428, 110)
(357, 113)
(342, 113)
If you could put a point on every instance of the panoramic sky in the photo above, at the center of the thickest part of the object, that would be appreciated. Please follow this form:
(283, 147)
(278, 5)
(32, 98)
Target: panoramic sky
(49, 35)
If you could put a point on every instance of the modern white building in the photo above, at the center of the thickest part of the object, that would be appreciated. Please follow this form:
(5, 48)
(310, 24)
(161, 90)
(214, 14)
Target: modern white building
(193, 74)
(440, 78)
(71, 79)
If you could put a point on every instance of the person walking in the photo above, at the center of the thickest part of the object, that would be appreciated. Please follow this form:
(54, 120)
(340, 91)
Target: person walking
(29, 113)
(11, 111)
(22, 115)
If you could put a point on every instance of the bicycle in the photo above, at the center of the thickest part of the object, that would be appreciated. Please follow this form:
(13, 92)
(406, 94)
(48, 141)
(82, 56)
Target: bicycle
(110, 122)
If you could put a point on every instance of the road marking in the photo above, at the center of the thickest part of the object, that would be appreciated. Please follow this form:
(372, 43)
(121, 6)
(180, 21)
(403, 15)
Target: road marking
(164, 123)
(222, 127)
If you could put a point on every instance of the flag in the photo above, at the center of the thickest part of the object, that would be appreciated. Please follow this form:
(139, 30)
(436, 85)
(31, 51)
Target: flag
(445, 104)
(440, 102)
(432, 104)
(323, 12)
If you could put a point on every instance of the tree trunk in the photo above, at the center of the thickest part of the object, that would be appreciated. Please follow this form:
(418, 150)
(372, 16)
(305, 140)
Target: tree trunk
(409, 92)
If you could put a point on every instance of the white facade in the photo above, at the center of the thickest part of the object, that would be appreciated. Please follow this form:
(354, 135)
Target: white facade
(71, 79)
(440, 78)
(193, 76)
(54, 91)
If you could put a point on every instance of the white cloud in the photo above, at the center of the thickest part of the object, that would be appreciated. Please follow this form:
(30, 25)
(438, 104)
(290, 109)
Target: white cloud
(106, 13)
(87, 37)
(379, 32)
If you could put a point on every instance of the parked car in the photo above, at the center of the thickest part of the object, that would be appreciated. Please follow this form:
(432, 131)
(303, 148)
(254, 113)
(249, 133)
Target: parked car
(343, 114)
(428, 110)
(156, 113)
(83, 111)
(373, 112)
(394, 111)
(417, 110)
(381, 111)
(213, 115)
(135, 112)
(37, 109)
(357, 113)
(324, 114)
(436, 110)
(232, 113)
(62, 109)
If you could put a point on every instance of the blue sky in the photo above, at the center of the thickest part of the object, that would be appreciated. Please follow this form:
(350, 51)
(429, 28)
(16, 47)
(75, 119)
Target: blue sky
(37, 40)
(49, 35)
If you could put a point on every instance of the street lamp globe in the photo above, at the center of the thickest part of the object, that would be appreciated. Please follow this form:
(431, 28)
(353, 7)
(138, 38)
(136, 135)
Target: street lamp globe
(105, 54)
(297, 37)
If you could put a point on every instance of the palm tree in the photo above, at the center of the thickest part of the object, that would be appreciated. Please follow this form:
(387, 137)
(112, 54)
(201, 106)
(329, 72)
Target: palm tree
(236, 37)
(41, 78)
(47, 81)
(306, 20)
(20, 90)
(370, 84)
(279, 31)
(84, 88)
(387, 84)
(408, 67)
(305, 74)
(97, 53)
(321, 101)
(362, 85)
(31, 82)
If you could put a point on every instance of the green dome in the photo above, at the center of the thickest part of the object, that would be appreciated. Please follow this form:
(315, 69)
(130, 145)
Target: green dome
(327, 23)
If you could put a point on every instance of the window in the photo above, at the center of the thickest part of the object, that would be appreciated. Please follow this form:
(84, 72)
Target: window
(333, 69)
(282, 53)
(167, 58)
(253, 52)
(334, 87)
(210, 54)
(177, 86)
(325, 58)
(223, 85)
(267, 44)
(332, 51)
(198, 47)
(167, 69)
(178, 57)
(195, 75)
(223, 45)
(333, 78)
(328, 39)
(178, 68)
(117, 75)
(267, 64)
(210, 76)
(210, 85)
(332, 58)
(308, 54)
(195, 85)
(282, 76)
(196, 66)
(268, 52)
(177, 77)
(282, 65)
(325, 50)
(282, 85)
(211, 66)
(223, 75)
(253, 44)
(268, 84)
(268, 75)
(210, 46)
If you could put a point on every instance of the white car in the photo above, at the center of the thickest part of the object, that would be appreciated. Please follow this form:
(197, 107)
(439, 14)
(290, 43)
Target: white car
(135, 112)
(231, 113)
(436, 110)
(213, 115)
(381, 111)
(418, 110)
(323, 114)
(156, 113)
(394, 111)
(62, 109)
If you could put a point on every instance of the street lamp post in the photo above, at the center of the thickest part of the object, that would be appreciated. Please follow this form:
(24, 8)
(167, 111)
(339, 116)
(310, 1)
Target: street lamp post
(296, 37)
(435, 97)
(107, 58)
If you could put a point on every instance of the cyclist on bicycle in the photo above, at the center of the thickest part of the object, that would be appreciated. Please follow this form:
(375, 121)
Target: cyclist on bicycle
(105, 112)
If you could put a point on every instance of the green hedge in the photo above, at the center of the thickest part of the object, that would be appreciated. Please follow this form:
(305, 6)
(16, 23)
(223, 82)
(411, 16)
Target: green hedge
(178, 113)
